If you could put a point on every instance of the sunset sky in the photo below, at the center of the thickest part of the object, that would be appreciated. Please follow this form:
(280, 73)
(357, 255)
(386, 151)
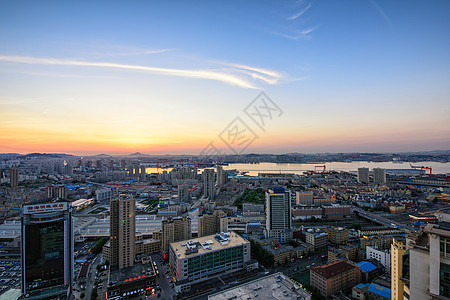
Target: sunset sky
(89, 77)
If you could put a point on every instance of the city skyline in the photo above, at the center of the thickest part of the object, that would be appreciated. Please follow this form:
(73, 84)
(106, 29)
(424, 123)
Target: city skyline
(119, 78)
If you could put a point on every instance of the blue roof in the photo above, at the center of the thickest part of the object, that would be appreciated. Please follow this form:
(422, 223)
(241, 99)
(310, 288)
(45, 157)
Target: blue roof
(360, 285)
(278, 190)
(366, 266)
(380, 290)
(73, 186)
(192, 210)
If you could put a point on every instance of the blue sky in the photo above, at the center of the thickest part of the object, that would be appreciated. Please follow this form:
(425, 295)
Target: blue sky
(168, 77)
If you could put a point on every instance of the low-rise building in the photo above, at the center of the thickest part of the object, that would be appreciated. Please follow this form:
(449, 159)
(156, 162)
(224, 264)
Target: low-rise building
(383, 256)
(368, 270)
(336, 211)
(335, 277)
(274, 286)
(129, 282)
(337, 235)
(281, 254)
(370, 291)
(317, 238)
(343, 252)
(306, 212)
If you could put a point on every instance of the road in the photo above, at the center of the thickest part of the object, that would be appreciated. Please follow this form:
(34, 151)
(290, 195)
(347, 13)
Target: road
(166, 291)
(379, 219)
(301, 264)
(88, 282)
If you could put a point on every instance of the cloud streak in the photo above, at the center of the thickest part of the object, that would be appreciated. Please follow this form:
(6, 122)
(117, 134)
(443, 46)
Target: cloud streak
(381, 12)
(300, 13)
(303, 34)
(268, 76)
(221, 76)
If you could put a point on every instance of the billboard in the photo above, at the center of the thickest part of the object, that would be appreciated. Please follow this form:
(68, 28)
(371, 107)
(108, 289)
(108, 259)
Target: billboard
(48, 207)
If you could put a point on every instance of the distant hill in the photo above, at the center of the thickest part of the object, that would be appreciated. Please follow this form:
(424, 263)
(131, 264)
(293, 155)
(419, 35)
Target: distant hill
(49, 155)
(102, 155)
(137, 154)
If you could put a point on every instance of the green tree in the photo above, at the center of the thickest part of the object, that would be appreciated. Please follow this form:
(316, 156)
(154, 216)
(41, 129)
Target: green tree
(315, 292)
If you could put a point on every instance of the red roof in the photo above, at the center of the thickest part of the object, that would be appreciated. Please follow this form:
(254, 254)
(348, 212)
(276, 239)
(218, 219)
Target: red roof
(333, 269)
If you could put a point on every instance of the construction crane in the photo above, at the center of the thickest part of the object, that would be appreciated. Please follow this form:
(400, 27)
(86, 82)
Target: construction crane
(161, 160)
(324, 168)
(422, 168)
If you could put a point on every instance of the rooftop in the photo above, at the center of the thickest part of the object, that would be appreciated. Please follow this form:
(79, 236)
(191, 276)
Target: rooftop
(380, 290)
(136, 272)
(207, 244)
(275, 286)
(333, 269)
(440, 230)
(366, 266)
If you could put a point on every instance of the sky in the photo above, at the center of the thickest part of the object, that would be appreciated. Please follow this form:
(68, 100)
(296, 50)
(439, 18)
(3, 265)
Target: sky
(192, 77)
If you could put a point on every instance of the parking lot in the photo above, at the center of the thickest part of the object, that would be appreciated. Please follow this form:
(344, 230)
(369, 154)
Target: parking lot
(10, 274)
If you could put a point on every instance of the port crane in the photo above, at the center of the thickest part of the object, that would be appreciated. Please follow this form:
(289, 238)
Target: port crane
(422, 168)
(324, 168)
(161, 160)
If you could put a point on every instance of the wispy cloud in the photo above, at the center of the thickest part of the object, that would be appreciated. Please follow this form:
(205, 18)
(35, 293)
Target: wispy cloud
(300, 13)
(268, 76)
(381, 12)
(298, 34)
(222, 76)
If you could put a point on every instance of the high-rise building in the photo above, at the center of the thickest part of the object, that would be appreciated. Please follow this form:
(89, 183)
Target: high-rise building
(136, 171)
(183, 193)
(398, 248)
(122, 231)
(14, 177)
(68, 169)
(363, 175)
(212, 223)
(426, 263)
(379, 176)
(142, 174)
(47, 251)
(209, 185)
(220, 176)
(278, 214)
(103, 195)
(174, 230)
(57, 191)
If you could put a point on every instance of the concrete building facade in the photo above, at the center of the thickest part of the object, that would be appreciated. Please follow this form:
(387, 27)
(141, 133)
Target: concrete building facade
(173, 230)
(278, 214)
(122, 231)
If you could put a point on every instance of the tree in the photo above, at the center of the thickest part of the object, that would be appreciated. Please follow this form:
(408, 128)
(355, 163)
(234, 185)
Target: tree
(94, 293)
(315, 292)
(97, 248)
(82, 295)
